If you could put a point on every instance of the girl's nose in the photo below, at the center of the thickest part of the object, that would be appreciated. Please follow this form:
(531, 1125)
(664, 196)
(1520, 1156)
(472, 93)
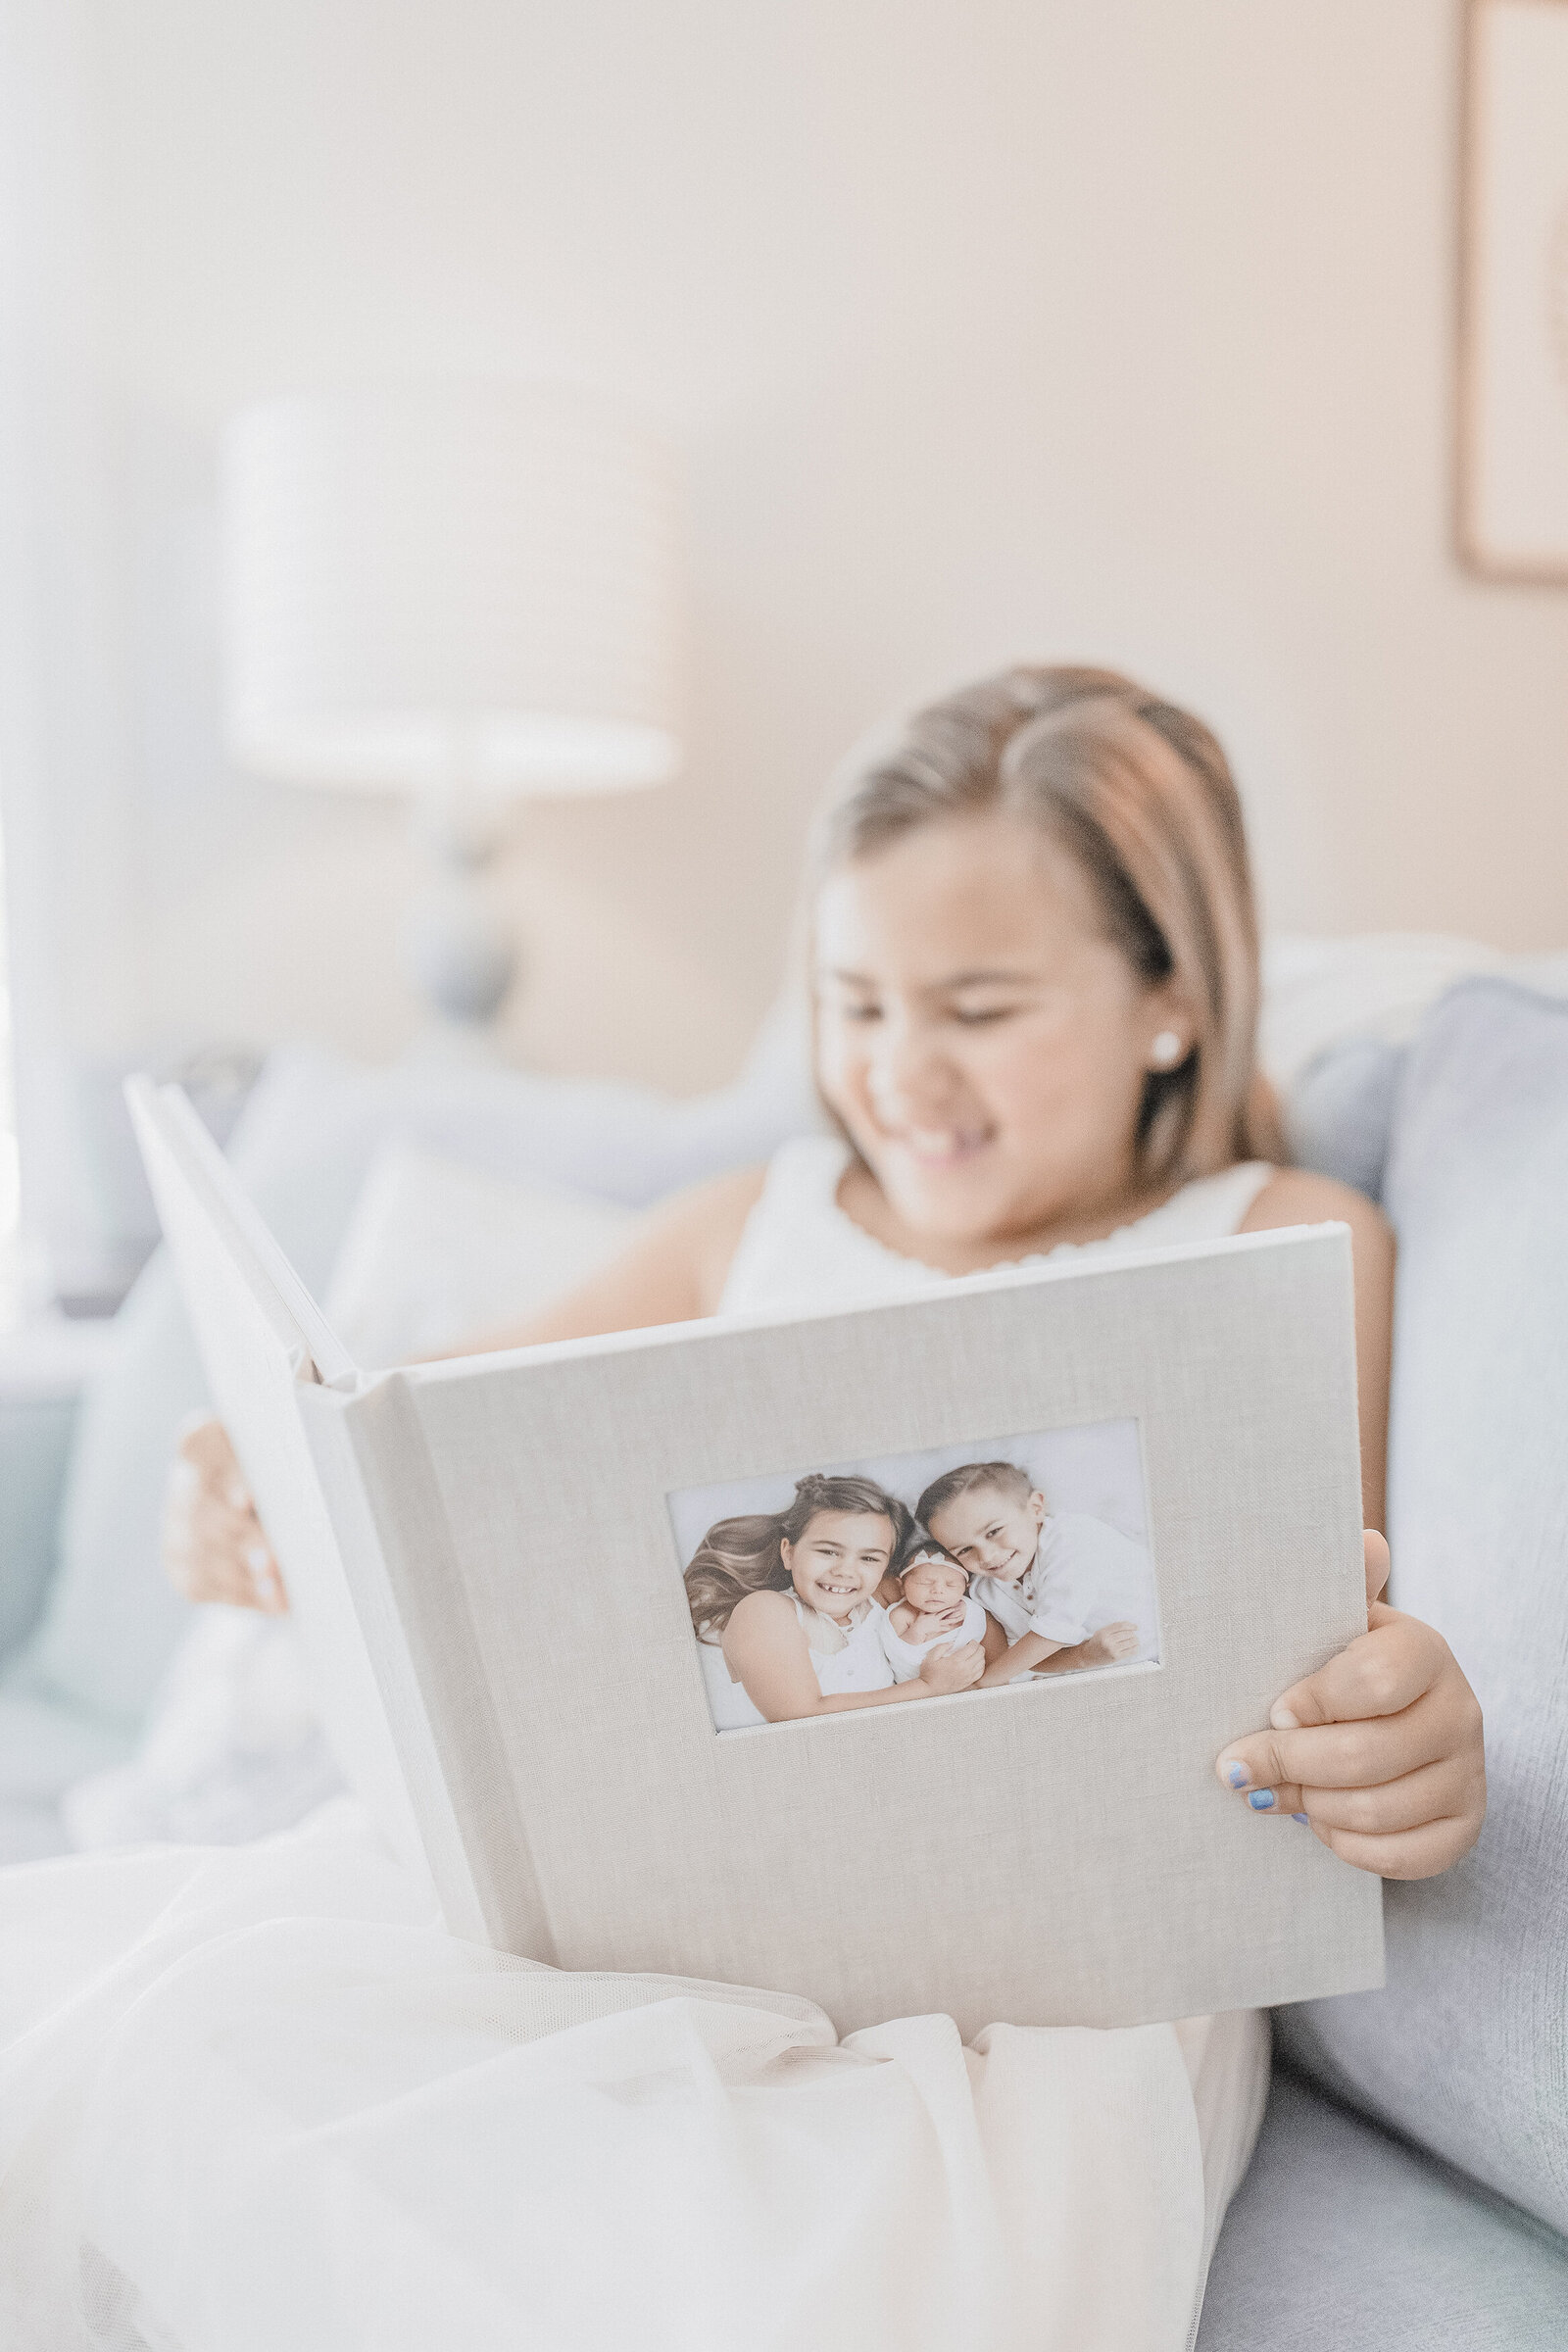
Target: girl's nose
(906, 1076)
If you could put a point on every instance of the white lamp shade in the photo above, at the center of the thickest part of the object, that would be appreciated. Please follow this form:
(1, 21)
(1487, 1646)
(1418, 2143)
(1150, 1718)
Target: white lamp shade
(441, 587)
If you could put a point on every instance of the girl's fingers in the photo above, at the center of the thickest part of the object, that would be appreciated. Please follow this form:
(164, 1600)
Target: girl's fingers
(1400, 1705)
(1342, 1755)
(1380, 1673)
(1283, 1803)
(217, 1514)
(209, 1576)
(1375, 1552)
(1380, 1752)
(1435, 1793)
(204, 1443)
(266, 1580)
(213, 1545)
(1408, 1853)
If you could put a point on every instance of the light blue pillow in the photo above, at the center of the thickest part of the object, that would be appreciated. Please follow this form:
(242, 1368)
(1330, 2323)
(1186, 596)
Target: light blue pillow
(1340, 1112)
(1466, 2051)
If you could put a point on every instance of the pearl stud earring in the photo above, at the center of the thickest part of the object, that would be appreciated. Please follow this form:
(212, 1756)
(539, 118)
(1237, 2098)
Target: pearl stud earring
(1166, 1051)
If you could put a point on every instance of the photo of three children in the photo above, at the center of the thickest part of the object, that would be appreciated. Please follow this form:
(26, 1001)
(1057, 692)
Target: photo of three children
(849, 1596)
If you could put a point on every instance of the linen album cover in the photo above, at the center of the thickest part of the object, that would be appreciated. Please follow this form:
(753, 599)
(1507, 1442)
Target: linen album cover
(879, 1656)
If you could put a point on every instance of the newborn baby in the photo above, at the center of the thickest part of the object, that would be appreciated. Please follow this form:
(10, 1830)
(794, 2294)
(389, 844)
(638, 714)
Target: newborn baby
(936, 1607)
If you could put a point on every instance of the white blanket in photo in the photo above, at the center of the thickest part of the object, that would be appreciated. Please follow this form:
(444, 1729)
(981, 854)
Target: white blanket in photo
(257, 2098)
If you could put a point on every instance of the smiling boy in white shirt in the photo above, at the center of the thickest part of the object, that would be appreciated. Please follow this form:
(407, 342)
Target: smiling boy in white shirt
(1056, 1582)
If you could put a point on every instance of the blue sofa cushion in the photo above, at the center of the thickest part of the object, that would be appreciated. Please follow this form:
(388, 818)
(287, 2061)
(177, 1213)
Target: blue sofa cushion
(35, 1443)
(1466, 2050)
(1341, 2240)
(1339, 1113)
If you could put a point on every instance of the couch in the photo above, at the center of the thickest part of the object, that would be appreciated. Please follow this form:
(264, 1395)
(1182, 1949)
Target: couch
(1410, 2186)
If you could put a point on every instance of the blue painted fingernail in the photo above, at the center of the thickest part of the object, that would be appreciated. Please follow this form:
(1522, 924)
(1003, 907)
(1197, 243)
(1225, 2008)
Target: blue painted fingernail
(1261, 1799)
(1236, 1775)
(1299, 1817)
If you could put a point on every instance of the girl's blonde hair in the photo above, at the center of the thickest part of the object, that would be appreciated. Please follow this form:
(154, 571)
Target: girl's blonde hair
(1139, 794)
(740, 1556)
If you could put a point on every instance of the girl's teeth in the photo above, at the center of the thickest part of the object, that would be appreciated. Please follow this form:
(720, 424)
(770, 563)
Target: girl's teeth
(932, 1146)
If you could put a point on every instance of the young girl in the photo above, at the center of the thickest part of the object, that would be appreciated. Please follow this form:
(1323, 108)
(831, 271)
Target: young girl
(786, 1612)
(1035, 999)
(934, 1612)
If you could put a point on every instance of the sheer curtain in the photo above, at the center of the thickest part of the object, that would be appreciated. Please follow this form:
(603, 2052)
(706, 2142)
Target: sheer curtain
(10, 1181)
(71, 939)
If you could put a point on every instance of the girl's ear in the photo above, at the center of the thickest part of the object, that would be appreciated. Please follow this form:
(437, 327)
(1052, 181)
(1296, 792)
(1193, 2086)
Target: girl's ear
(1173, 1026)
(1037, 1504)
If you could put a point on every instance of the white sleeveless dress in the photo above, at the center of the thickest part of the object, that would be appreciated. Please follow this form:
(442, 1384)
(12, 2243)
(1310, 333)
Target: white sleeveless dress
(799, 1249)
(863, 1662)
(255, 2098)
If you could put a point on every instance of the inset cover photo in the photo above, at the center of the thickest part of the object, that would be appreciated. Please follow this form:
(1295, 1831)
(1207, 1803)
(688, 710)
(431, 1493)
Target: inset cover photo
(998, 1563)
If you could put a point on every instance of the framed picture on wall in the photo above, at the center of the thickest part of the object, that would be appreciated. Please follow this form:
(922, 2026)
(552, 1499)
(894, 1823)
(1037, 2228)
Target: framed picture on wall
(1512, 484)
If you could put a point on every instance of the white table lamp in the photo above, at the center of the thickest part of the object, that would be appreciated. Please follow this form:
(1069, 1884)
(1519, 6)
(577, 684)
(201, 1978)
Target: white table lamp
(464, 594)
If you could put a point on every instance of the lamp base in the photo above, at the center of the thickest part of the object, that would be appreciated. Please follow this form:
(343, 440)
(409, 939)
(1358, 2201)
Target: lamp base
(457, 950)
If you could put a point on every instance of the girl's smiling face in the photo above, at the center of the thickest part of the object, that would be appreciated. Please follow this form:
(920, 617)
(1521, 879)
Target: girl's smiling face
(839, 1560)
(983, 1042)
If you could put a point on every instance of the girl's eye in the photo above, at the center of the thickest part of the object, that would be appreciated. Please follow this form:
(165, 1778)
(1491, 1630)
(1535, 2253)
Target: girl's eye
(974, 1017)
(860, 1012)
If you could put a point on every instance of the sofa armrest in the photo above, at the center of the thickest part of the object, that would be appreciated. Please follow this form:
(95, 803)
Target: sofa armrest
(34, 1447)
(44, 1369)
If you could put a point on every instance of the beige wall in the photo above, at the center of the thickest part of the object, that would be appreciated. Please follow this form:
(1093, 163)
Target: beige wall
(1108, 328)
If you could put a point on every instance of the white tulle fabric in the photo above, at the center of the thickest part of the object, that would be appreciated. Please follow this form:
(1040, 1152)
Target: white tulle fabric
(255, 2098)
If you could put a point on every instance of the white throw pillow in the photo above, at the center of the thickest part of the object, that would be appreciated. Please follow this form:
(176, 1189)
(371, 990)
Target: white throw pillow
(436, 1253)
(308, 1138)
(1318, 992)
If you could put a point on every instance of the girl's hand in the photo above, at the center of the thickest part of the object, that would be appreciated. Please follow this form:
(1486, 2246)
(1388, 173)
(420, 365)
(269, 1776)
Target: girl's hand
(948, 1670)
(1381, 1752)
(214, 1547)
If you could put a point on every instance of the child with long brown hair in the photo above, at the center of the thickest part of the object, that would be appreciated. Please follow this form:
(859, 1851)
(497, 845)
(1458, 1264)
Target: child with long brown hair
(785, 1610)
(1035, 989)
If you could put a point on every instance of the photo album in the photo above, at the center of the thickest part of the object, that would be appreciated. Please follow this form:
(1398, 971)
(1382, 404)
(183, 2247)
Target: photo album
(879, 1656)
